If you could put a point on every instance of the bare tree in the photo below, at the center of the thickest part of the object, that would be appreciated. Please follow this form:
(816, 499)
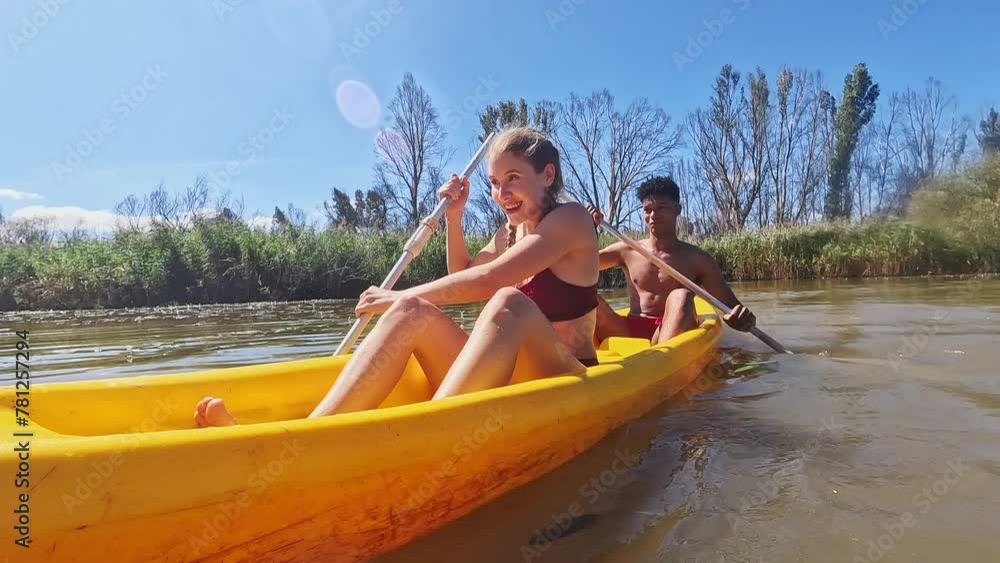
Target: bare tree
(132, 210)
(174, 211)
(435, 178)
(606, 152)
(886, 153)
(794, 144)
(229, 208)
(193, 202)
(934, 136)
(729, 145)
(163, 207)
(698, 205)
(755, 136)
(405, 151)
(28, 231)
(860, 170)
(811, 168)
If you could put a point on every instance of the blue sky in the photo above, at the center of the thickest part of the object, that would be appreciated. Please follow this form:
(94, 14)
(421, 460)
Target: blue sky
(180, 85)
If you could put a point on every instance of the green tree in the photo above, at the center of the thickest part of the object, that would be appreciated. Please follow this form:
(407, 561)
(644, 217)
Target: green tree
(376, 211)
(279, 218)
(340, 213)
(856, 110)
(989, 133)
(508, 112)
(368, 211)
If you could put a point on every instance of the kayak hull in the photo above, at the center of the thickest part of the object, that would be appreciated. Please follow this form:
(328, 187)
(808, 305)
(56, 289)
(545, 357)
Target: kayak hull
(118, 473)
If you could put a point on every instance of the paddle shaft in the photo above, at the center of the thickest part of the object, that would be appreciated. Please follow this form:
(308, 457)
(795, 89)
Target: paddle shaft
(412, 249)
(695, 288)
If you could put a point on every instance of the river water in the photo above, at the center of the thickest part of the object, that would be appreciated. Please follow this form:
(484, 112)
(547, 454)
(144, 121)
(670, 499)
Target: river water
(878, 441)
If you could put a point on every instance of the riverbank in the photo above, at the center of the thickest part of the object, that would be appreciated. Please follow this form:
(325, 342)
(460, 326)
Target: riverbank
(229, 262)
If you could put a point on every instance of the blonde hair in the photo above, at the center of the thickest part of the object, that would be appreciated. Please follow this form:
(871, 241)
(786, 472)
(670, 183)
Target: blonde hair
(539, 150)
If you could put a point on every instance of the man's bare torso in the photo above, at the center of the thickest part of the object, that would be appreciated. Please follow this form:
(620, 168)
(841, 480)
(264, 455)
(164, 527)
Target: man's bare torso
(652, 284)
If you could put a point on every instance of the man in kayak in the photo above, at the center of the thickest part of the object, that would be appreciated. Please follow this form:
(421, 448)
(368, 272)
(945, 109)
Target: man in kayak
(661, 307)
(540, 276)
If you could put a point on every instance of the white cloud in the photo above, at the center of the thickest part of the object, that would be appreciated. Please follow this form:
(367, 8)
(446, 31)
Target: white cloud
(69, 217)
(260, 222)
(18, 195)
(103, 221)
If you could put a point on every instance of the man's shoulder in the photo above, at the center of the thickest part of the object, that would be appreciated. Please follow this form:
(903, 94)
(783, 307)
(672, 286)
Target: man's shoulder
(697, 253)
(693, 249)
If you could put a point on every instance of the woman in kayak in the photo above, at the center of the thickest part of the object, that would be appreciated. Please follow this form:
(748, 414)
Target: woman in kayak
(540, 276)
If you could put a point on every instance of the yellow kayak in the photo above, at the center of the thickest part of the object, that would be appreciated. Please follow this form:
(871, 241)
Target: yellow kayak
(115, 470)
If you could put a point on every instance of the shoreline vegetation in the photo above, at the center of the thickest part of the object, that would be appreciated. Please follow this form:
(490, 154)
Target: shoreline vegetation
(952, 227)
(219, 262)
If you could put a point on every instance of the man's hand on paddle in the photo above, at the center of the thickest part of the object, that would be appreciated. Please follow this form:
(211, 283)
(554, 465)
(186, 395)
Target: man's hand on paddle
(596, 214)
(740, 319)
(376, 300)
(458, 189)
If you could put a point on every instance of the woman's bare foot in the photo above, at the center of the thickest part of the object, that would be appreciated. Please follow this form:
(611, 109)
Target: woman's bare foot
(213, 412)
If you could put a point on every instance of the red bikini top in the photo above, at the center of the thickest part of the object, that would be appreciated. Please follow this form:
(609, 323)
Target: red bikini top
(559, 300)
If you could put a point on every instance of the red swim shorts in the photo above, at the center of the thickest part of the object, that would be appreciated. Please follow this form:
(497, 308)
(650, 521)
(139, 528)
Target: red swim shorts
(640, 326)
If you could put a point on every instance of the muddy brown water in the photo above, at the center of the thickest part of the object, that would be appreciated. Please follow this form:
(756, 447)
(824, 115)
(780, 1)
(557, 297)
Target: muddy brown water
(878, 441)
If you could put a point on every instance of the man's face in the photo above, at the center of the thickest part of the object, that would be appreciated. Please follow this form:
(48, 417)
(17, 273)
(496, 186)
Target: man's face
(660, 214)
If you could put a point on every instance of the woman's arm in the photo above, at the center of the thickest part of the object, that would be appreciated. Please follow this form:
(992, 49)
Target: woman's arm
(458, 253)
(565, 230)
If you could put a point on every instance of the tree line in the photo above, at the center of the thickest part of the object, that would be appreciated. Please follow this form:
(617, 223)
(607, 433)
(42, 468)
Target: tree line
(760, 152)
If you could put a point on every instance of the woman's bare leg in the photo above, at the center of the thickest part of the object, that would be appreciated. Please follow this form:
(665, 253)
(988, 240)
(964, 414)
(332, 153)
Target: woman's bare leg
(510, 331)
(678, 315)
(410, 326)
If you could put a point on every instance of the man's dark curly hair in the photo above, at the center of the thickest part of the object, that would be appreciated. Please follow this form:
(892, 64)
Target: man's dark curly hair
(659, 186)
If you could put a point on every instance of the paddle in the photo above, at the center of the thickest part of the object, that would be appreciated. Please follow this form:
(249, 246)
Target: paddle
(412, 248)
(697, 289)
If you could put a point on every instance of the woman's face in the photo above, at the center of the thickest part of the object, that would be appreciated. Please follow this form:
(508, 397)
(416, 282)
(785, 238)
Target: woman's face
(517, 188)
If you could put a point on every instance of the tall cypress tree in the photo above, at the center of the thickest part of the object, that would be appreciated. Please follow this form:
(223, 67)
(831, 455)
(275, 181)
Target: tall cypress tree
(855, 110)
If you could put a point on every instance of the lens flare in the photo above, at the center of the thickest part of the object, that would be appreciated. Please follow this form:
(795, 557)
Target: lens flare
(358, 104)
